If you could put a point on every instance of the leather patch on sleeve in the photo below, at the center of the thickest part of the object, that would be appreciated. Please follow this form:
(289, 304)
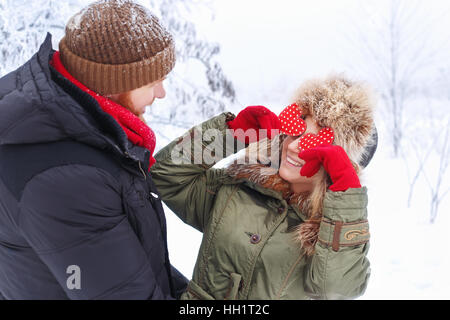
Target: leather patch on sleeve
(339, 234)
(336, 235)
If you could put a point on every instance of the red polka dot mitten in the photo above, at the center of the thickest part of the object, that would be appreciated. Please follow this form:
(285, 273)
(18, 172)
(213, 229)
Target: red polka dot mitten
(254, 117)
(336, 163)
(310, 140)
(291, 121)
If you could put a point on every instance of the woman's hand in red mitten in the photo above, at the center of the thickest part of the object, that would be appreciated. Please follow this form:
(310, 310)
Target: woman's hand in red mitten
(335, 162)
(254, 117)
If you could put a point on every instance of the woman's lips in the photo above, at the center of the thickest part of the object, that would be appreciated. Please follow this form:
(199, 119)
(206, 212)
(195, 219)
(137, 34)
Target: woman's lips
(293, 163)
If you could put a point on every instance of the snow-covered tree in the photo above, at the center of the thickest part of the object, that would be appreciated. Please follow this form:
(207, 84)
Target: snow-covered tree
(24, 25)
(196, 89)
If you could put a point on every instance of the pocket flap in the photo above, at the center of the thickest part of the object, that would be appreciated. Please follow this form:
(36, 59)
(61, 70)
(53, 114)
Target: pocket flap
(235, 284)
(195, 292)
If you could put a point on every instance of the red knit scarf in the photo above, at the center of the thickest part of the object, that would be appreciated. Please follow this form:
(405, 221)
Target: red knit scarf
(136, 130)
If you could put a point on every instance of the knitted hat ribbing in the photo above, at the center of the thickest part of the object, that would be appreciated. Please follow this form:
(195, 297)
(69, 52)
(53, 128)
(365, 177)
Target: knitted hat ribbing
(114, 46)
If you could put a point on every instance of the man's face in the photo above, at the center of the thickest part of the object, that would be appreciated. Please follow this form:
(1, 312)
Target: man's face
(136, 100)
(144, 96)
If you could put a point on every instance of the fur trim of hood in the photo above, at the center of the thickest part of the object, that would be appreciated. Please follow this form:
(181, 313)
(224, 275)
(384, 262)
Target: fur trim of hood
(345, 106)
(306, 233)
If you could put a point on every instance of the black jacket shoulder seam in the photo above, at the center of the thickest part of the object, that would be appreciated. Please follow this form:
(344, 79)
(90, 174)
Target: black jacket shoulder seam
(65, 165)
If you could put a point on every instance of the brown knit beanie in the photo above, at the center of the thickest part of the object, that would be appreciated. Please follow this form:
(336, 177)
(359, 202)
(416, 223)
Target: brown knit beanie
(114, 46)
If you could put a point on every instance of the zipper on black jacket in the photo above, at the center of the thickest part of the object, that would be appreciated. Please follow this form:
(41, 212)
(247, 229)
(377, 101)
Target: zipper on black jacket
(140, 167)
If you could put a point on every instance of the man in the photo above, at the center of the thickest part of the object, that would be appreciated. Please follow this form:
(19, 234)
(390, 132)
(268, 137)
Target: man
(80, 217)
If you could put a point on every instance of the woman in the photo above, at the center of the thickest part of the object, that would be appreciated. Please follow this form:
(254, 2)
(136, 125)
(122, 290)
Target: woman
(294, 231)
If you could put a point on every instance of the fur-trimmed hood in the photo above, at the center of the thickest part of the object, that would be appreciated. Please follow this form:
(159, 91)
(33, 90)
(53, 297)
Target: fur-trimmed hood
(345, 106)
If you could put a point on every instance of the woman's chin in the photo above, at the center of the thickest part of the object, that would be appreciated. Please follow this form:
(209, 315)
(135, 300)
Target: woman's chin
(288, 172)
(291, 173)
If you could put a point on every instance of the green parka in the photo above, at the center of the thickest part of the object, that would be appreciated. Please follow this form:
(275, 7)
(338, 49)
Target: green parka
(248, 251)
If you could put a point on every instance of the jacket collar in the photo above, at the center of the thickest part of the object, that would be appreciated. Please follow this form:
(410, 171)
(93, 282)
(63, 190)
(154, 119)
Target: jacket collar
(118, 142)
(266, 181)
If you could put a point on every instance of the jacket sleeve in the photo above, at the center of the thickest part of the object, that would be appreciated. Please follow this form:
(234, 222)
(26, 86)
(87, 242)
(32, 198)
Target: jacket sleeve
(180, 282)
(183, 172)
(339, 268)
(72, 217)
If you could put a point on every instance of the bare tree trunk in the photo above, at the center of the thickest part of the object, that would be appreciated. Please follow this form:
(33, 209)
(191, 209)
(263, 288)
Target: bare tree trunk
(422, 162)
(396, 107)
(436, 197)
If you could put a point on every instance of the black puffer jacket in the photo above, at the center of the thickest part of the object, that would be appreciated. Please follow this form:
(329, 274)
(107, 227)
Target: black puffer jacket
(80, 217)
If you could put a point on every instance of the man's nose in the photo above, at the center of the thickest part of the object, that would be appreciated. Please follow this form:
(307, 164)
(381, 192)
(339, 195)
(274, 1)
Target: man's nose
(160, 92)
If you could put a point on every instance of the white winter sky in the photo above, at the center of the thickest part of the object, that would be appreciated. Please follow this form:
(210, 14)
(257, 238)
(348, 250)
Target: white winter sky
(267, 45)
(270, 47)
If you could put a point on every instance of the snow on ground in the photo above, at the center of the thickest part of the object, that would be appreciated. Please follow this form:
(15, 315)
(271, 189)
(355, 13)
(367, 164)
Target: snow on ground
(409, 256)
